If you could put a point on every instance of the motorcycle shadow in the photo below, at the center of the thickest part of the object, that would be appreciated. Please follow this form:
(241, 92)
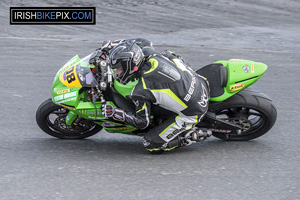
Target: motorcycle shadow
(112, 145)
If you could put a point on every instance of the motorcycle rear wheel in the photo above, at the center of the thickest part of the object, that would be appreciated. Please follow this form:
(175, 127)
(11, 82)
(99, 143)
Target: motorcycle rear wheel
(252, 110)
(51, 119)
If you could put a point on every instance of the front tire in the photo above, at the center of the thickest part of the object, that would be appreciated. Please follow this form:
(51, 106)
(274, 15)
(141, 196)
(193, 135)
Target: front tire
(51, 119)
(252, 110)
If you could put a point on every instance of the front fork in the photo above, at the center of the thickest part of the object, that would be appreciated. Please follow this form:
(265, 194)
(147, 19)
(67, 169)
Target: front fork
(74, 118)
(71, 117)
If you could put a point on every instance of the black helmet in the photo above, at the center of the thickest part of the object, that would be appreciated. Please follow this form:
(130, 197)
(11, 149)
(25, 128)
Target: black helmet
(129, 56)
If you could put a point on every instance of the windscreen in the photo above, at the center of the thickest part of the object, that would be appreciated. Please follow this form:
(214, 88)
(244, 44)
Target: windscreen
(85, 74)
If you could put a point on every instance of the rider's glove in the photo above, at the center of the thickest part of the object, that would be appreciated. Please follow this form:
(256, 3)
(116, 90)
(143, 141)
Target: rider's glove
(115, 113)
(107, 110)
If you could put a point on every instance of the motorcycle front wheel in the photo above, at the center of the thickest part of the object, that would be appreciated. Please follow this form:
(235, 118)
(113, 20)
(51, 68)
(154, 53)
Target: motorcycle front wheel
(51, 119)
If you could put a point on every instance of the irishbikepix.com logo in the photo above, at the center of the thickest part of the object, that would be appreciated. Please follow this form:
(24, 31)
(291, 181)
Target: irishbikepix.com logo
(52, 15)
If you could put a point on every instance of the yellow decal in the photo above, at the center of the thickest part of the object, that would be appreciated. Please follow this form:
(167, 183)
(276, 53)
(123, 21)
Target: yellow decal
(236, 60)
(237, 87)
(68, 107)
(63, 69)
(252, 68)
(63, 91)
(69, 77)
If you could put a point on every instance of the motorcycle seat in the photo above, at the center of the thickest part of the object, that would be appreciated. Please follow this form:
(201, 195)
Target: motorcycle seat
(217, 76)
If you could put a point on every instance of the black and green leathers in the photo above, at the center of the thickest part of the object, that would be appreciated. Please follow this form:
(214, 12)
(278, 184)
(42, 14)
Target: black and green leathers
(167, 81)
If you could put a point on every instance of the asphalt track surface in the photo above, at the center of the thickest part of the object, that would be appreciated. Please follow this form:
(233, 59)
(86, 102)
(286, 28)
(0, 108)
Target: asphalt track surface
(113, 166)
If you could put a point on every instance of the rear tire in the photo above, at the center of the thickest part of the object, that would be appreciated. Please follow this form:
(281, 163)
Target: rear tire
(253, 110)
(51, 119)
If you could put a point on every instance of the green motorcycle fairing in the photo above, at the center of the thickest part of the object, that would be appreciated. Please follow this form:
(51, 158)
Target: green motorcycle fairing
(66, 92)
(77, 74)
(241, 74)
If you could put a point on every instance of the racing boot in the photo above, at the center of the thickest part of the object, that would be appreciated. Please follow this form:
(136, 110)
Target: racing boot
(173, 144)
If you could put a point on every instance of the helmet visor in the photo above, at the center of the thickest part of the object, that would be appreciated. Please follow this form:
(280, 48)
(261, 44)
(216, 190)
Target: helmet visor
(117, 65)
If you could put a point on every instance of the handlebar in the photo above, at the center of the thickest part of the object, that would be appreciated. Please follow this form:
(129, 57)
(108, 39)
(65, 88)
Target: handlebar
(103, 72)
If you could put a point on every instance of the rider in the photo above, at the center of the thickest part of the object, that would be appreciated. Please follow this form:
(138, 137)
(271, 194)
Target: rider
(164, 80)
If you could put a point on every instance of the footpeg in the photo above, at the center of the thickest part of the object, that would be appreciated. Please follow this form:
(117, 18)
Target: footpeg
(196, 135)
(200, 135)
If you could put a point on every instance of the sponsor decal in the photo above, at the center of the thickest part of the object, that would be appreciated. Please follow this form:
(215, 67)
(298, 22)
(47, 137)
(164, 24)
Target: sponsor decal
(58, 98)
(68, 107)
(71, 94)
(191, 90)
(170, 136)
(236, 87)
(66, 100)
(63, 69)
(252, 68)
(175, 133)
(91, 113)
(65, 97)
(246, 68)
(221, 130)
(63, 91)
(204, 97)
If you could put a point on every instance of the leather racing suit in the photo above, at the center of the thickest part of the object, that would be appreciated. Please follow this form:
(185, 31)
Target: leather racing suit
(167, 81)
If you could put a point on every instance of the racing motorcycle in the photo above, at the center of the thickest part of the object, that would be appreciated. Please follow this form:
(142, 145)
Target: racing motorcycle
(81, 86)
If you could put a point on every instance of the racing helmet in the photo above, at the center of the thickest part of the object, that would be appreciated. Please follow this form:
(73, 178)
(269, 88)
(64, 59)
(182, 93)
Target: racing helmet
(128, 56)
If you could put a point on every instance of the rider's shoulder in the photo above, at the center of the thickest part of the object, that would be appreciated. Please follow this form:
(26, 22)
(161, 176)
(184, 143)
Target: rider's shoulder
(159, 69)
